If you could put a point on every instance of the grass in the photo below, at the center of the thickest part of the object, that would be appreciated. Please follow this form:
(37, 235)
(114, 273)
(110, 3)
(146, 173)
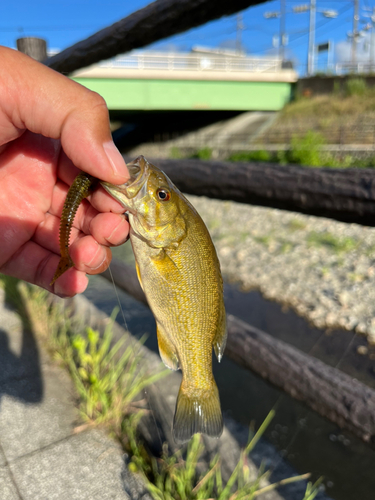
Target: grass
(355, 99)
(202, 154)
(263, 240)
(296, 225)
(179, 478)
(350, 106)
(106, 382)
(245, 156)
(305, 150)
(356, 87)
(334, 243)
(108, 377)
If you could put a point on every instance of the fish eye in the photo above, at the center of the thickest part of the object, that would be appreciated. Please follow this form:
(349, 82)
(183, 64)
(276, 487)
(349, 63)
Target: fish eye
(163, 194)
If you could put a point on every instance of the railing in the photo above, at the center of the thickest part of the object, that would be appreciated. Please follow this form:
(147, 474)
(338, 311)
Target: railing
(344, 135)
(192, 62)
(346, 68)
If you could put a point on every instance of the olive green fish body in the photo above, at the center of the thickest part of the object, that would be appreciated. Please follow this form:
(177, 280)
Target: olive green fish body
(184, 291)
(180, 274)
(80, 189)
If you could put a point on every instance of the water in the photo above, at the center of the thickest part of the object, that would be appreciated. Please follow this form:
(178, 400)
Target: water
(311, 443)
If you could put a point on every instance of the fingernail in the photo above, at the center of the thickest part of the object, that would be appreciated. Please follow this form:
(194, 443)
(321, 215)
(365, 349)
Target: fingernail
(58, 290)
(116, 160)
(123, 229)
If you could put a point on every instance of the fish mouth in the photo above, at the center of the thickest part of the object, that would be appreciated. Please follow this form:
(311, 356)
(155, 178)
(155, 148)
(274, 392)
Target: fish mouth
(138, 174)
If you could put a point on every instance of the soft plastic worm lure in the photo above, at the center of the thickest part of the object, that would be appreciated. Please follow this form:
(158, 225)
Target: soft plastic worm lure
(82, 186)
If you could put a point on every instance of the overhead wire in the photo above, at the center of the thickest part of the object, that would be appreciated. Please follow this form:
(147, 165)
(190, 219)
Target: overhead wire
(323, 23)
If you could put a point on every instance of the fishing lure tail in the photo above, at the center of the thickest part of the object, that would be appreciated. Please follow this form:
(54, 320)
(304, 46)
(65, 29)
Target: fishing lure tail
(194, 415)
(64, 264)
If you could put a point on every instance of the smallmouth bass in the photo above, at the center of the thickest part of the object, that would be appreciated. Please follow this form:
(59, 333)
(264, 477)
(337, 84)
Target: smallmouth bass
(179, 272)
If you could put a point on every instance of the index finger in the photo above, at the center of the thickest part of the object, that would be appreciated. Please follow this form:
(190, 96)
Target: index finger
(45, 102)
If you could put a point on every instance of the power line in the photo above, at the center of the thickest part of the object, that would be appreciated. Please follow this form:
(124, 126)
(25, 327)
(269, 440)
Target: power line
(323, 23)
(13, 29)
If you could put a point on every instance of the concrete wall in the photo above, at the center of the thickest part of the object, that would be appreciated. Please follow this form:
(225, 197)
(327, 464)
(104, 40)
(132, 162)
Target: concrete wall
(317, 85)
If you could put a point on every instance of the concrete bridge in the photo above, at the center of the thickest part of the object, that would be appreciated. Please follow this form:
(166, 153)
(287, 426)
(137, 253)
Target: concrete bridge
(201, 80)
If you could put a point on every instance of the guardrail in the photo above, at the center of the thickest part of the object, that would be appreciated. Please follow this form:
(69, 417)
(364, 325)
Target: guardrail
(346, 68)
(344, 135)
(193, 62)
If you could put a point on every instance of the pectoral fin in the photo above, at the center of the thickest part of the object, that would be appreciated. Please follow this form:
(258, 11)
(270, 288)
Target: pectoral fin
(138, 274)
(167, 350)
(166, 268)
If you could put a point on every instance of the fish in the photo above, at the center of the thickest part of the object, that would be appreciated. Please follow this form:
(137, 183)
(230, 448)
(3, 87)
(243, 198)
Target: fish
(81, 187)
(179, 272)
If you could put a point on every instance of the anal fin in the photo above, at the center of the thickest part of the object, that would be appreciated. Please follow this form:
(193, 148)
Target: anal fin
(167, 351)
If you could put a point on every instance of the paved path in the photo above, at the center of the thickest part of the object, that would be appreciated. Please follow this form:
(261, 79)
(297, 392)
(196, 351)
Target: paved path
(41, 458)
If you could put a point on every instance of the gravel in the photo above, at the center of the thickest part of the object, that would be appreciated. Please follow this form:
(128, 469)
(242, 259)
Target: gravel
(323, 269)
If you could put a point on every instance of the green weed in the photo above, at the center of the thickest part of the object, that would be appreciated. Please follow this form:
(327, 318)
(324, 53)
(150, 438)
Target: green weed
(264, 240)
(332, 242)
(247, 156)
(203, 154)
(355, 86)
(175, 153)
(296, 225)
(286, 247)
(306, 150)
(356, 277)
(107, 382)
(336, 88)
(178, 477)
(108, 377)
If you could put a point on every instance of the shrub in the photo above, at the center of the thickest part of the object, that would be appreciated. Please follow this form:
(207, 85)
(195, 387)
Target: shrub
(203, 154)
(355, 86)
(306, 150)
(175, 153)
(245, 156)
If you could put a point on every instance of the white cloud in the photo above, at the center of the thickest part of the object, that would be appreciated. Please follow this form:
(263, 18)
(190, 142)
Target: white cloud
(343, 49)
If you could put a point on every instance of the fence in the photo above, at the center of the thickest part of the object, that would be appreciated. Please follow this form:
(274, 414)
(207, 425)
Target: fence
(359, 68)
(345, 135)
(193, 62)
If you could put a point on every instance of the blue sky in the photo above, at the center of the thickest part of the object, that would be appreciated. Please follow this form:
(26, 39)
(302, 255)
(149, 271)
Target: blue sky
(64, 22)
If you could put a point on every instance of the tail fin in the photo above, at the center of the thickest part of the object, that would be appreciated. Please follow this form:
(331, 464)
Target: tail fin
(197, 414)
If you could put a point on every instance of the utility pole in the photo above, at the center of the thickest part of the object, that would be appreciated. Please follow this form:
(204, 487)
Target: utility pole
(311, 52)
(239, 29)
(355, 31)
(372, 41)
(282, 31)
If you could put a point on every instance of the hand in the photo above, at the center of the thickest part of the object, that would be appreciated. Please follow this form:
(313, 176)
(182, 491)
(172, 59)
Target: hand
(50, 129)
